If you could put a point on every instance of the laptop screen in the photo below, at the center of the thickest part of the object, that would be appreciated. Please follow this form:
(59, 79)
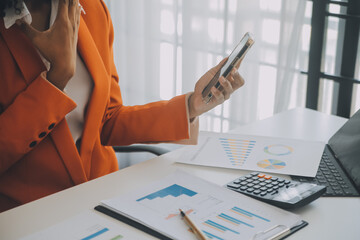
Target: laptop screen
(345, 143)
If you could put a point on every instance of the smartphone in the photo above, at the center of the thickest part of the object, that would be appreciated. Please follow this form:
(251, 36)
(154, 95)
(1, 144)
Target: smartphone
(236, 55)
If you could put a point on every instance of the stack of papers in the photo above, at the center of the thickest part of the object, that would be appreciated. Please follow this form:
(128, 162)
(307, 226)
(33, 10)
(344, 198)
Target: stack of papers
(257, 153)
(219, 213)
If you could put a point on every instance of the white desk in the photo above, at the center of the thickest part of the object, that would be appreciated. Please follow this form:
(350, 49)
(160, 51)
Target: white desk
(329, 218)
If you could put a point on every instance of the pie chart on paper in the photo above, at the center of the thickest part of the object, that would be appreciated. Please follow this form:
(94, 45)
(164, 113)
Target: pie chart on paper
(271, 164)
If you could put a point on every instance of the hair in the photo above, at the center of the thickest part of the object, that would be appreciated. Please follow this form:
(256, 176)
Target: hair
(7, 4)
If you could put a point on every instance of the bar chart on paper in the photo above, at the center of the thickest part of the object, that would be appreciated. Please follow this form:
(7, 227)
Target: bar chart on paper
(86, 226)
(218, 215)
(257, 153)
(237, 150)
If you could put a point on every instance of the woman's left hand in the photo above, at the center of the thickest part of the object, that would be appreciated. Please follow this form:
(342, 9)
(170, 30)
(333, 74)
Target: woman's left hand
(197, 105)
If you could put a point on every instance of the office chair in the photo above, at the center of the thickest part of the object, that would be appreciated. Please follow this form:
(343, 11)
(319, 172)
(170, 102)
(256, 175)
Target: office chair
(141, 148)
(126, 161)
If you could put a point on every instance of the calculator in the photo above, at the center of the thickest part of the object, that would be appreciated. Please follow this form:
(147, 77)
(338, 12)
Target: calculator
(287, 194)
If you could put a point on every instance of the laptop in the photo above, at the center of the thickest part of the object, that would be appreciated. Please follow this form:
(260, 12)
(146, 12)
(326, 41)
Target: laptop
(339, 168)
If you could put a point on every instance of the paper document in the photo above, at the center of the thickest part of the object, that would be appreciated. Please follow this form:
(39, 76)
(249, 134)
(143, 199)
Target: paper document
(88, 226)
(218, 212)
(257, 153)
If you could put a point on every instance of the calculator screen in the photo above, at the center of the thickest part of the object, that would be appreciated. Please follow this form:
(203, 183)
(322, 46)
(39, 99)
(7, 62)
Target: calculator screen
(296, 191)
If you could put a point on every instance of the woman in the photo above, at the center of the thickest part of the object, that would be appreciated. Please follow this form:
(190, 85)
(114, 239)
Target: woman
(60, 101)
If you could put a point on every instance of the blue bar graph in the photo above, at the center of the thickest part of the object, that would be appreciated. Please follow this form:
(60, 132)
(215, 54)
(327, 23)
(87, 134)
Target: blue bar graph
(237, 150)
(242, 211)
(95, 234)
(237, 140)
(212, 236)
(174, 190)
(234, 220)
(219, 226)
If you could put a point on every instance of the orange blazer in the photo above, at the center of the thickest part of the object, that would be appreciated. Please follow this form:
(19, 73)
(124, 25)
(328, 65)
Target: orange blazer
(38, 156)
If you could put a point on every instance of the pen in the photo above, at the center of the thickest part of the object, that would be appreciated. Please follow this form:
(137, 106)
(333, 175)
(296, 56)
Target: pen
(198, 233)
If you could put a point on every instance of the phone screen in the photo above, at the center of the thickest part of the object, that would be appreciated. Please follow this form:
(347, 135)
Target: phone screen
(235, 56)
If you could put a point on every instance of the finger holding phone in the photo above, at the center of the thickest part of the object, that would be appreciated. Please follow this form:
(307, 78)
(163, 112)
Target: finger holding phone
(216, 86)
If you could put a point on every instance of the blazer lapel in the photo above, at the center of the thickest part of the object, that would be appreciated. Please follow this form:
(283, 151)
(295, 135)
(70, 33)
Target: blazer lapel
(68, 152)
(23, 51)
(96, 106)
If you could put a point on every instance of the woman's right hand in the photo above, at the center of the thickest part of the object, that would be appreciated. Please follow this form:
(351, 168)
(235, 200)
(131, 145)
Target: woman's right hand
(58, 43)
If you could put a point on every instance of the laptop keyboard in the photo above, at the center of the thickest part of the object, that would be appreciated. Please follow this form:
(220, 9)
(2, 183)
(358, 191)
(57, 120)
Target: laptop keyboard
(333, 177)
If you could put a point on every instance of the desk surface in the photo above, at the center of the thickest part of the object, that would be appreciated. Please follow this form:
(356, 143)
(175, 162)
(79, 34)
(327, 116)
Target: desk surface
(329, 218)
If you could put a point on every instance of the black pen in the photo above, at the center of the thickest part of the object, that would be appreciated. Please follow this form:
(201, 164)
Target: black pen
(198, 233)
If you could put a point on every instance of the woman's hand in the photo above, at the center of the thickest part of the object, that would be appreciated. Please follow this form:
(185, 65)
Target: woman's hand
(197, 106)
(58, 44)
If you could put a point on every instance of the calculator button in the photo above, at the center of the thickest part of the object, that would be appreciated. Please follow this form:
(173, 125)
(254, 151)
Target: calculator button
(237, 181)
(257, 192)
(263, 193)
(268, 181)
(274, 178)
(287, 182)
(255, 178)
(256, 182)
(250, 185)
(254, 174)
(261, 179)
(263, 188)
(276, 187)
(281, 184)
(267, 177)
(249, 180)
(275, 183)
(269, 185)
(236, 186)
(270, 190)
(243, 188)
(281, 180)
(261, 175)
(256, 186)
(242, 178)
(250, 190)
(262, 184)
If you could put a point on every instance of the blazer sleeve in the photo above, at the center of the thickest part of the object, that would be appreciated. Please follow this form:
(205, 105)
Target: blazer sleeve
(30, 118)
(160, 121)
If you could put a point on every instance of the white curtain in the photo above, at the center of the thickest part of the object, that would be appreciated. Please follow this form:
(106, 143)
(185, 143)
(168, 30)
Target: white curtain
(162, 47)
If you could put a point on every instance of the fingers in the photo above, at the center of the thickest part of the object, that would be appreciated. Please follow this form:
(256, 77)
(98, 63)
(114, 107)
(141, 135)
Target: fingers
(62, 10)
(237, 66)
(228, 86)
(228, 89)
(31, 32)
(218, 67)
(74, 10)
(218, 96)
(236, 80)
(78, 13)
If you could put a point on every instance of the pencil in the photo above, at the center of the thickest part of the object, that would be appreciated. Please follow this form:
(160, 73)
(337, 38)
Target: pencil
(198, 233)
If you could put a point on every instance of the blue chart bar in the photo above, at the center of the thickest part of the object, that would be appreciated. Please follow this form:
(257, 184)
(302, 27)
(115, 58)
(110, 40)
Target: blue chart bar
(238, 145)
(234, 220)
(95, 234)
(239, 210)
(237, 140)
(219, 226)
(174, 190)
(212, 236)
